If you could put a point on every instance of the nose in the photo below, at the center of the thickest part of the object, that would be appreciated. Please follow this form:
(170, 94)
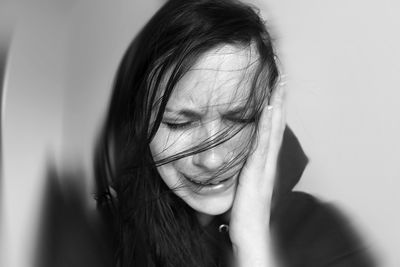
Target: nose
(213, 158)
(210, 160)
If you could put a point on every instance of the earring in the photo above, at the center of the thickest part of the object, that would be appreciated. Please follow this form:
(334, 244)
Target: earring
(223, 228)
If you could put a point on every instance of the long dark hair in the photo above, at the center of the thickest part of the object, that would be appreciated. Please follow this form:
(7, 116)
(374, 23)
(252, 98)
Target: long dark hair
(151, 225)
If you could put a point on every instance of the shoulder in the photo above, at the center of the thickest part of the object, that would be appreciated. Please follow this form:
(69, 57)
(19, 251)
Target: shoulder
(311, 233)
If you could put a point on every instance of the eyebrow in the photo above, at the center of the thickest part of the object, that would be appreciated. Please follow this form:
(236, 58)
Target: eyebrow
(192, 114)
(185, 113)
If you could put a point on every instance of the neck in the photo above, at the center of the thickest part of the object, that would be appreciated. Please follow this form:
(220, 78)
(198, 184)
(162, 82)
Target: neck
(205, 219)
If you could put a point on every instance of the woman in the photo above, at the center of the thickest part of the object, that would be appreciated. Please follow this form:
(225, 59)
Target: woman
(191, 166)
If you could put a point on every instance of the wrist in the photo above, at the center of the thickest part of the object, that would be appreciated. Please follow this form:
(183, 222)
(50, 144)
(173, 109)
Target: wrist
(247, 236)
(255, 255)
(254, 251)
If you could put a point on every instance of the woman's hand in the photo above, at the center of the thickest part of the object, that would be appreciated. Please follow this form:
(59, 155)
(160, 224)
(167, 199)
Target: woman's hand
(250, 214)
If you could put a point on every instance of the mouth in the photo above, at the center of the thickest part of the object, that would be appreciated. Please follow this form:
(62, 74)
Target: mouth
(210, 186)
(208, 181)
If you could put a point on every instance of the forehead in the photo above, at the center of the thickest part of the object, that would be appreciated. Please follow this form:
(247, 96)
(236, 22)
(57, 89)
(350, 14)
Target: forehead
(220, 77)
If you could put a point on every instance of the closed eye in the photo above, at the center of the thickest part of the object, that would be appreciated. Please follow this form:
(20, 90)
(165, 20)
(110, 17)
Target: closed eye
(242, 120)
(177, 126)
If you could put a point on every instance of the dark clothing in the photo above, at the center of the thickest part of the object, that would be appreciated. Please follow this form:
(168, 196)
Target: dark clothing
(308, 233)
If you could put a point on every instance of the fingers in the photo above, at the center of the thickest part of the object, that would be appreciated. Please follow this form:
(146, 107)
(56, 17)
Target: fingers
(260, 168)
(253, 199)
(254, 192)
(263, 135)
(270, 129)
(276, 133)
(277, 121)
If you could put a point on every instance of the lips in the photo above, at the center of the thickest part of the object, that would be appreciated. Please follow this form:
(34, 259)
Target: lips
(207, 181)
(209, 186)
(204, 181)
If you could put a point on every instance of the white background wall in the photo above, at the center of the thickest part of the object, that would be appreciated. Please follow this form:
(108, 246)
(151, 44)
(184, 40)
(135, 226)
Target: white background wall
(341, 59)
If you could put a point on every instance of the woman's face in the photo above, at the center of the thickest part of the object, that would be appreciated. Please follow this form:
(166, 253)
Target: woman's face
(207, 100)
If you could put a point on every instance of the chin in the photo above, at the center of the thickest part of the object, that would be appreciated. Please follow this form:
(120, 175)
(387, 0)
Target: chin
(211, 205)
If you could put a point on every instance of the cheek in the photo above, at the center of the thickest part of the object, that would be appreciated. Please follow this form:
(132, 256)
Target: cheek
(166, 143)
(240, 144)
(168, 174)
(162, 147)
